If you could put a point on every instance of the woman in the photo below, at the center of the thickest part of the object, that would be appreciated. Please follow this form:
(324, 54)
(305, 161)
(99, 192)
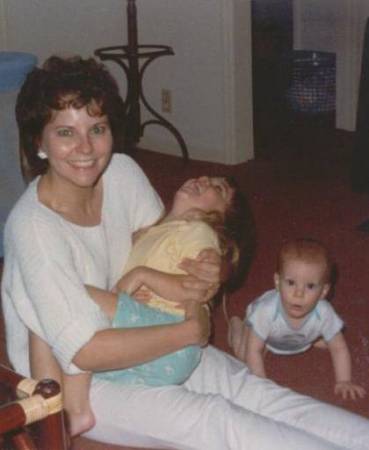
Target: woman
(70, 229)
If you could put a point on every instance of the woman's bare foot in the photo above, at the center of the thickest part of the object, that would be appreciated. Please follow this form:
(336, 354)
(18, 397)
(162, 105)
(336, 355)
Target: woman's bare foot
(237, 336)
(80, 422)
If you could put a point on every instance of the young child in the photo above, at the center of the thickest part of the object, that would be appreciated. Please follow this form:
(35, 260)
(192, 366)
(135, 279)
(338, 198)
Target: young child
(207, 213)
(294, 316)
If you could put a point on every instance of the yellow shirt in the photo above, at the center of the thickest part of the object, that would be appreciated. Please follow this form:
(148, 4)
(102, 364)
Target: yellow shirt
(163, 246)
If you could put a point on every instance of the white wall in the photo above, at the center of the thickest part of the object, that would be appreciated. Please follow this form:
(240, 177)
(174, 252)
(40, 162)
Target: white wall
(209, 76)
(240, 72)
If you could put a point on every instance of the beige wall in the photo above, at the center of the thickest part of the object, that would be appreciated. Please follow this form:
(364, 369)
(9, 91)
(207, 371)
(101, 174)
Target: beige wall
(209, 76)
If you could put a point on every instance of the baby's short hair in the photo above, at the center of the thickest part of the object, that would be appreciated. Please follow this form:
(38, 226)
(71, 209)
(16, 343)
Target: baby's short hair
(306, 250)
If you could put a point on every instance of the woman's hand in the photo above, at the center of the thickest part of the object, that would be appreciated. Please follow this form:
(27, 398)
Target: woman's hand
(199, 315)
(204, 273)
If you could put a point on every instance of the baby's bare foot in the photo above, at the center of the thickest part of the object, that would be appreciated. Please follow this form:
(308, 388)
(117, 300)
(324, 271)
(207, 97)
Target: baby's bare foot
(236, 336)
(321, 344)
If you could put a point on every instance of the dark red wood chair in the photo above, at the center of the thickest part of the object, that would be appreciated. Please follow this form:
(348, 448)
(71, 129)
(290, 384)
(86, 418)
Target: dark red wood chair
(31, 413)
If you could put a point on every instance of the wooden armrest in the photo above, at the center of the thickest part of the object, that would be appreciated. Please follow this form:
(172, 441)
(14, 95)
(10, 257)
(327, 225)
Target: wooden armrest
(33, 402)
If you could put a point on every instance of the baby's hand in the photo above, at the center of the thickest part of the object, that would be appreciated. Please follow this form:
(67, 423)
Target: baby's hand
(142, 295)
(131, 284)
(347, 390)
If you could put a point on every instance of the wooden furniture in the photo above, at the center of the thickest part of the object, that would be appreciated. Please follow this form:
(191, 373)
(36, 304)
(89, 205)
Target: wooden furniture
(31, 413)
(128, 57)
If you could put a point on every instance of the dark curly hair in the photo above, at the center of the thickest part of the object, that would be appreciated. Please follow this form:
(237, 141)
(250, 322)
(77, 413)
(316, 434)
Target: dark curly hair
(59, 84)
(236, 235)
(235, 231)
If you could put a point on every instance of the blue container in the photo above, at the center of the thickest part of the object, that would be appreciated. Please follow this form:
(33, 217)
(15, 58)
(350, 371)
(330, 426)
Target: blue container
(312, 82)
(14, 67)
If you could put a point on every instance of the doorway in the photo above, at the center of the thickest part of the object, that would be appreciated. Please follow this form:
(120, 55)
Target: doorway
(272, 40)
(281, 131)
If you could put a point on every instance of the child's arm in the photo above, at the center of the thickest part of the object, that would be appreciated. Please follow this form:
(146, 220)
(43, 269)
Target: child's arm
(166, 285)
(342, 368)
(42, 361)
(254, 354)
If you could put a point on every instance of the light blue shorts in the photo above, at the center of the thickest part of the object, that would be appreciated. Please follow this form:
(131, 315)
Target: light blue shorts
(173, 368)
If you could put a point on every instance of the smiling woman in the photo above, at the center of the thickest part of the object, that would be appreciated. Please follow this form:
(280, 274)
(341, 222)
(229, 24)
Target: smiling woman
(68, 139)
(78, 148)
(79, 100)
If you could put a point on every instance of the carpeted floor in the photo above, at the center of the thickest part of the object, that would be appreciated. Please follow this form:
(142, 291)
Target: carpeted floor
(302, 189)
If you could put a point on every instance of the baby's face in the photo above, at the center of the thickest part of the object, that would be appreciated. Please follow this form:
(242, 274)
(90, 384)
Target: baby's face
(301, 285)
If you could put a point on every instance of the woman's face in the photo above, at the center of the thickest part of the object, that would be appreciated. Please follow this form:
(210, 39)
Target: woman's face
(78, 146)
(204, 193)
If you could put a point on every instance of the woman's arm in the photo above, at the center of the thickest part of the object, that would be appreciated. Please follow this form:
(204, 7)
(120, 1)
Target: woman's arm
(122, 348)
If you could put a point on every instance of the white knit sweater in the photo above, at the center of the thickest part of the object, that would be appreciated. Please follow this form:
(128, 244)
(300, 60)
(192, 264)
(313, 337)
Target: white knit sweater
(48, 260)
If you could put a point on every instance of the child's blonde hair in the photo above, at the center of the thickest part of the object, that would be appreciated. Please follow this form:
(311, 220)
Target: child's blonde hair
(307, 250)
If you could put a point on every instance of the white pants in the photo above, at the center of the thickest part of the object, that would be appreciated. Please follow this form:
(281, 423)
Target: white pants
(222, 407)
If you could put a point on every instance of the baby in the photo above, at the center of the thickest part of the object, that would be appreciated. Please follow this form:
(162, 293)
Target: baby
(294, 316)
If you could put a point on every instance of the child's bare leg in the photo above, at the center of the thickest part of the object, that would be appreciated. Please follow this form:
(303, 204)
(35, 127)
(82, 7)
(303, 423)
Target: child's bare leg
(237, 337)
(42, 361)
(77, 403)
(75, 387)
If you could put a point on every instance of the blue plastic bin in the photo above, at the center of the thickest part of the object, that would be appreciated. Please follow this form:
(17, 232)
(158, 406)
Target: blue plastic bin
(14, 67)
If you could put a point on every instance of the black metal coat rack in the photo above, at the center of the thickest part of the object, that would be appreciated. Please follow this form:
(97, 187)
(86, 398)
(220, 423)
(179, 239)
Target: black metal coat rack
(128, 57)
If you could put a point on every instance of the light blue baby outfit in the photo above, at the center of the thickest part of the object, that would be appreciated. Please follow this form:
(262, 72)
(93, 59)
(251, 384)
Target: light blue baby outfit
(173, 368)
(268, 320)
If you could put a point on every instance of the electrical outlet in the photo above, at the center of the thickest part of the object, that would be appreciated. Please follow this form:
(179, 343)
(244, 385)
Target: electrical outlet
(166, 100)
